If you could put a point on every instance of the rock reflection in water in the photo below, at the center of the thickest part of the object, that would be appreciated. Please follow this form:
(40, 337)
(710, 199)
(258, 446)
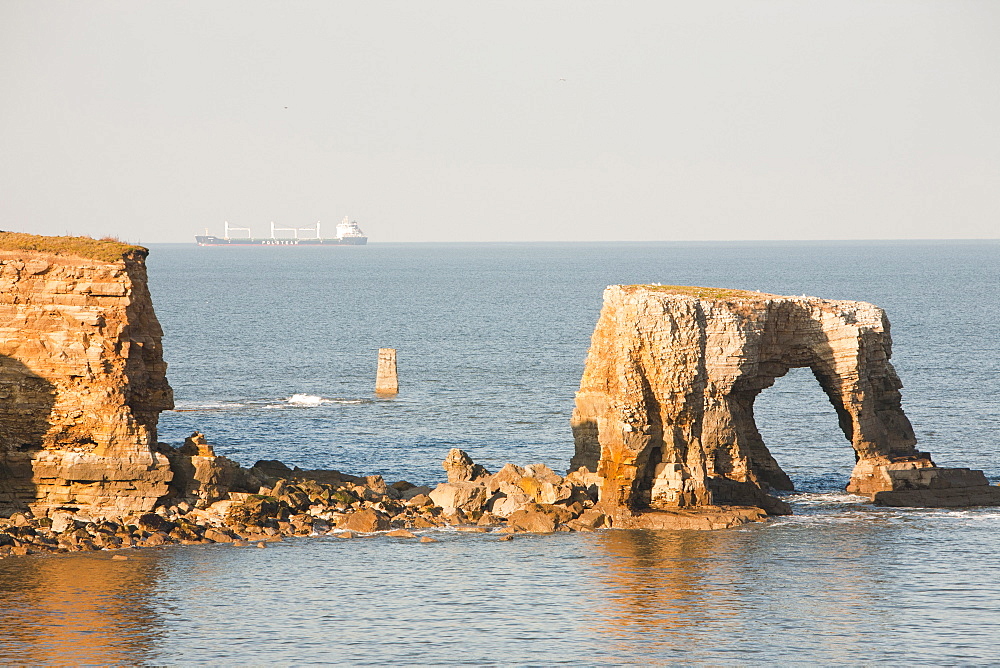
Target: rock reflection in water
(767, 591)
(77, 609)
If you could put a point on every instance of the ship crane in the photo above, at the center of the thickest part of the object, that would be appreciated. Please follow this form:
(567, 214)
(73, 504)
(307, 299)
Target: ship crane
(235, 229)
(295, 231)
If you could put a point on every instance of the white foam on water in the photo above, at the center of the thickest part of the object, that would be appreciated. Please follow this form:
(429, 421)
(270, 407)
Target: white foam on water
(824, 499)
(182, 406)
(789, 521)
(298, 400)
(306, 400)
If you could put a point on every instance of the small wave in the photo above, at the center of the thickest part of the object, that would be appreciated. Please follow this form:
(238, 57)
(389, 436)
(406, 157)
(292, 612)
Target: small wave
(951, 513)
(306, 400)
(810, 519)
(185, 406)
(309, 400)
(298, 400)
(824, 498)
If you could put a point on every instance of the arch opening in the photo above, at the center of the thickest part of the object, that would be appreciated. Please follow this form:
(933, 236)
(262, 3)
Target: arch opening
(801, 429)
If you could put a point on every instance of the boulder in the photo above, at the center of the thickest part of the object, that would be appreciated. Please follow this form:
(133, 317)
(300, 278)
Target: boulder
(591, 519)
(218, 536)
(467, 496)
(508, 499)
(201, 478)
(532, 521)
(510, 473)
(255, 511)
(364, 521)
(488, 519)
(273, 468)
(414, 494)
(401, 533)
(61, 521)
(196, 445)
(461, 468)
(543, 473)
(155, 522)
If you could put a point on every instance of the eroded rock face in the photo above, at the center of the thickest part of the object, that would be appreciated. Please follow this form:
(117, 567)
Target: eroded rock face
(664, 414)
(82, 383)
(200, 476)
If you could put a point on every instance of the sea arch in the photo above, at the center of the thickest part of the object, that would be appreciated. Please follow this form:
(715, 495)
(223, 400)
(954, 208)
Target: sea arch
(664, 414)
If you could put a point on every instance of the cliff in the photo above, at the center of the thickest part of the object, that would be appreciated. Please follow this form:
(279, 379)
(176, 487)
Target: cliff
(665, 417)
(82, 377)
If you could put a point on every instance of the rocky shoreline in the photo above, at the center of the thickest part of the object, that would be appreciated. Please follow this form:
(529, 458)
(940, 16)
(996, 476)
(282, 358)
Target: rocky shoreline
(292, 502)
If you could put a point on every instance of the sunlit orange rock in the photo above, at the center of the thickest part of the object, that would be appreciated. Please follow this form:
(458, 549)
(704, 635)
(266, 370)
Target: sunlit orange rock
(82, 377)
(664, 414)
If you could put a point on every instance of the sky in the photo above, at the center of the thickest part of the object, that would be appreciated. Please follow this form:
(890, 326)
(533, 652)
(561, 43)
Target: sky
(547, 120)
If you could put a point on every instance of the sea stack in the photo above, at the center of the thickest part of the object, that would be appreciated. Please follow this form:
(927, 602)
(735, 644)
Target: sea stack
(664, 414)
(82, 377)
(386, 381)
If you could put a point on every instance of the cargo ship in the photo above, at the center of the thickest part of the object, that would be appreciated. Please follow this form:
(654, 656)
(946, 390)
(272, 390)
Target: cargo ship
(348, 234)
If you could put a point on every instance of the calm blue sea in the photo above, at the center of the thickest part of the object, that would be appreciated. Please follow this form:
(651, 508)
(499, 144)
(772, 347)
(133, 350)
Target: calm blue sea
(272, 354)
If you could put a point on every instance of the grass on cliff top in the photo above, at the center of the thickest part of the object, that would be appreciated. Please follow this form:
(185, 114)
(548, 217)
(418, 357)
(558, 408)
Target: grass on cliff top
(107, 249)
(703, 293)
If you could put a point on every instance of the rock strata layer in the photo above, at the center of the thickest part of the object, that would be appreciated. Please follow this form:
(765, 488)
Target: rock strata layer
(82, 383)
(664, 415)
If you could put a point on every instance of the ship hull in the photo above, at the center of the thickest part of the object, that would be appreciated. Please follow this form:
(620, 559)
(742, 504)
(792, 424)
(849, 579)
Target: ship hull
(216, 241)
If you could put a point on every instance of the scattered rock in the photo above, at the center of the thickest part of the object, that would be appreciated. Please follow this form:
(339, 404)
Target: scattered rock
(195, 445)
(591, 518)
(401, 533)
(532, 521)
(365, 521)
(154, 540)
(466, 496)
(155, 523)
(421, 499)
(61, 521)
(488, 519)
(218, 536)
(357, 506)
(416, 496)
(427, 539)
(461, 468)
(273, 468)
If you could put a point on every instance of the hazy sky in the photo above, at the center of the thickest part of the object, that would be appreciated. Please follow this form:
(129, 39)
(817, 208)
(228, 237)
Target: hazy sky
(503, 121)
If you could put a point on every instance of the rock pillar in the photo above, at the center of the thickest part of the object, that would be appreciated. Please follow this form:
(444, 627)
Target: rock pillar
(386, 381)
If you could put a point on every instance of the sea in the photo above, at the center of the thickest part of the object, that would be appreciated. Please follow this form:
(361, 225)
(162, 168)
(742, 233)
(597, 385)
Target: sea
(272, 355)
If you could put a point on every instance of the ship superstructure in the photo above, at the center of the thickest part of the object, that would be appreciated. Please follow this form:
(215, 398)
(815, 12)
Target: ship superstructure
(349, 233)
